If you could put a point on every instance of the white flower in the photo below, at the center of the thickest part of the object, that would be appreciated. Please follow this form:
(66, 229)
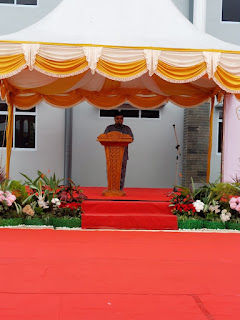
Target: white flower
(42, 204)
(198, 205)
(225, 216)
(56, 202)
(214, 208)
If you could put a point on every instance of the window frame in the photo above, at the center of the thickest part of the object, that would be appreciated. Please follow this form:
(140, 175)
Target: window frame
(219, 120)
(221, 16)
(21, 113)
(129, 107)
(20, 5)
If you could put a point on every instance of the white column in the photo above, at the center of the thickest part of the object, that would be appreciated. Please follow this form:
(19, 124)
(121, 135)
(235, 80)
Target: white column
(199, 14)
(231, 136)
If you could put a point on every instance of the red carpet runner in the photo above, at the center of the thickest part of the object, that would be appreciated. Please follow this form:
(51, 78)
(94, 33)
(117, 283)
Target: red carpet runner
(139, 209)
(120, 275)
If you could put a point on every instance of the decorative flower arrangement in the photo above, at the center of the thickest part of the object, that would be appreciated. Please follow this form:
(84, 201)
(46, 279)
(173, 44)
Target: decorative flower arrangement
(47, 198)
(7, 198)
(182, 204)
(214, 202)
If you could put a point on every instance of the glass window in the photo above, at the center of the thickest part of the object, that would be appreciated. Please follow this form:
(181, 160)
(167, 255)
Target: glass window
(27, 2)
(20, 2)
(150, 114)
(3, 126)
(24, 131)
(231, 10)
(131, 112)
(7, 1)
(220, 131)
(3, 106)
(31, 110)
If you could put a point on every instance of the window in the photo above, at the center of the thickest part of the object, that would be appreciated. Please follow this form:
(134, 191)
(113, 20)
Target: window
(20, 2)
(231, 10)
(24, 132)
(220, 131)
(131, 112)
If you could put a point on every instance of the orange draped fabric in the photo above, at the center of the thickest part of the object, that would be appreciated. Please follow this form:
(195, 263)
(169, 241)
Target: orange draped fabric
(227, 79)
(10, 64)
(121, 70)
(61, 67)
(181, 73)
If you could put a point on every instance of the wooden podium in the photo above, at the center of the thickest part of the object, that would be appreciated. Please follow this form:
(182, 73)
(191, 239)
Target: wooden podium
(114, 143)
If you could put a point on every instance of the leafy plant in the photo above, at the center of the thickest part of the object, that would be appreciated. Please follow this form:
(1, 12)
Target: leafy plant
(71, 193)
(52, 183)
(18, 190)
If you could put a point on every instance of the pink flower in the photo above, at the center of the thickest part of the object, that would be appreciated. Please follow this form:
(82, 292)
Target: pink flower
(238, 207)
(233, 205)
(2, 196)
(10, 198)
(233, 200)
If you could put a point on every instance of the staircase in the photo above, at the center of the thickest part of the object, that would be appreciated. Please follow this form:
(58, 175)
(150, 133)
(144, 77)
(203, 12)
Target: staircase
(117, 214)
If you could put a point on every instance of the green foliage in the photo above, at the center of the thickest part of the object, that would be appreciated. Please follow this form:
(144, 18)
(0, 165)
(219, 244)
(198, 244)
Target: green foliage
(211, 201)
(52, 182)
(226, 190)
(18, 190)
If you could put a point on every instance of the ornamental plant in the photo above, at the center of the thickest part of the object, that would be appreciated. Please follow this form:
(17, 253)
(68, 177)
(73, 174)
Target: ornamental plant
(8, 205)
(182, 203)
(213, 201)
(47, 198)
(71, 194)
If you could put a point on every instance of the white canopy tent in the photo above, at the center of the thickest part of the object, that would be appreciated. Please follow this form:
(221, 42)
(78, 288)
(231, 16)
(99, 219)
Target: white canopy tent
(143, 53)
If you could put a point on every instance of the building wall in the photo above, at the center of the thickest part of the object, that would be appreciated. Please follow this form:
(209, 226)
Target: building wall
(195, 144)
(229, 32)
(184, 6)
(152, 155)
(226, 31)
(15, 18)
(49, 153)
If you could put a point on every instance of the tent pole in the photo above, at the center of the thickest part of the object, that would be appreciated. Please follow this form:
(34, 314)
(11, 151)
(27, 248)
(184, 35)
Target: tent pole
(9, 135)
(68, 146)
(210, 139)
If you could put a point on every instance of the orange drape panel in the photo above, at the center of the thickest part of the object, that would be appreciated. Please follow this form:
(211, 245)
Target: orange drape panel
(121, 70)
(61, 67)
(11, 63)
(179, 73)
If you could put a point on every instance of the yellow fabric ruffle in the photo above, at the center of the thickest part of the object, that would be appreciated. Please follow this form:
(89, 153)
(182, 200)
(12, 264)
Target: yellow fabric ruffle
(121, 70)
(10, 64)
(61, 67)
(227, 80)
(179, 73)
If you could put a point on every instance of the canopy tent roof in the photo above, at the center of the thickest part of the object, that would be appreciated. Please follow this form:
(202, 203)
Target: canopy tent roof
(144, 54)
(134, 23)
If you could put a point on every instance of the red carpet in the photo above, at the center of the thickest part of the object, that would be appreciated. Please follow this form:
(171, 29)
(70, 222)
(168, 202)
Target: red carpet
(148, 194)
(58, 275)
(139, 209)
